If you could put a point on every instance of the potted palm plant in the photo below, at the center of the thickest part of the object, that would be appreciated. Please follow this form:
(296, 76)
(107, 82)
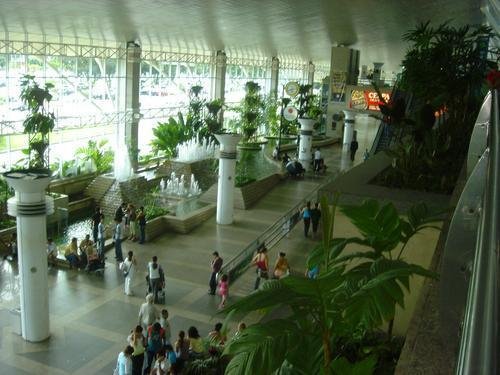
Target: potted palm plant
(40, 121)
(252, 113)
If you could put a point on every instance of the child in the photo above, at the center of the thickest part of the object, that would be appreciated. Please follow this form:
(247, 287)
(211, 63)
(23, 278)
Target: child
(165, 325)
(223, 290)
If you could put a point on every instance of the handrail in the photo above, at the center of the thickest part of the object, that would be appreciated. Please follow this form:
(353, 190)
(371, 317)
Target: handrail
(479, 343)
(272, 235)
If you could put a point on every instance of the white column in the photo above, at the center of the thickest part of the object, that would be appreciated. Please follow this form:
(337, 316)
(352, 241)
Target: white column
(305, 146)
(275, 70)
(349, 122)
(310, 73)
(30, 206)
(227, 169)
(220, 80)
(377, 71)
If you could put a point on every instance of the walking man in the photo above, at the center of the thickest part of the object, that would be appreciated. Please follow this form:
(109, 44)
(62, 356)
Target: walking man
(156, 277)
(353, 148)
(117, 237)
(141, 219)
(101, 237)
(96, 218)
(216, 265)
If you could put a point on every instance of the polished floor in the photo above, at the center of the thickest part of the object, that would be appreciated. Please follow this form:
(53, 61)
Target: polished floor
(91, 316)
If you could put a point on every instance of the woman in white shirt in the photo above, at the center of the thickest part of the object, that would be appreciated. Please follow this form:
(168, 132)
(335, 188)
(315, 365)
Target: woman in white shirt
(128, 268)
(124, 362)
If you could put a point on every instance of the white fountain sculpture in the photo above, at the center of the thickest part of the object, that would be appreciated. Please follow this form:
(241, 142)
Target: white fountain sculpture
(195, 149)
(176, 186)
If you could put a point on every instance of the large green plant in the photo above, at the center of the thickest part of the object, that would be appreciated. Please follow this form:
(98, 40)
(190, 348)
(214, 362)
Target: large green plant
(320, 317)
(307, 103)
(194, 118)
(97, 152)
(445, 66)
(168, 135)
(213, 124)
(39, 122)
(252, 111)
(271, 114)
(444, 70)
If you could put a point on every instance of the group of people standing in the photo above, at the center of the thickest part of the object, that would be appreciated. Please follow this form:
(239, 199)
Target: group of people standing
(126, 217)
(152, 350)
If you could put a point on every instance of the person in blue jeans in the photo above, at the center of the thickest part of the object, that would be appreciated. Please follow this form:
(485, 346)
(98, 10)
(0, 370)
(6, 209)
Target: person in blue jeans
(117, 238)
(306, 216)
(141, 219)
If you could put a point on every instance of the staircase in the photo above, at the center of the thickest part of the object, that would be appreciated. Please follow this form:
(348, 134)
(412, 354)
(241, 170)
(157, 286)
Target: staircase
(98, 188)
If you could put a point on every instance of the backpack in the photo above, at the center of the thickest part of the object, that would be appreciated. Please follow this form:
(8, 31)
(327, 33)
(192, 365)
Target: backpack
(154, 341)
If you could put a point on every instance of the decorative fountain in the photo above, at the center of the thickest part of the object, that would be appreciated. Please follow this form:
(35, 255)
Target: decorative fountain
(195, 149)
(178, 187)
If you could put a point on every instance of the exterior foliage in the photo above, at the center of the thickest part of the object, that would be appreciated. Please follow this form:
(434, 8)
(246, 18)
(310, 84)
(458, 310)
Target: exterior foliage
(100, 155)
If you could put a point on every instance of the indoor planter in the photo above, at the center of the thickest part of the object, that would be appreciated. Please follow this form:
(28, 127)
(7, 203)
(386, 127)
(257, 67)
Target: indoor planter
(309, 111)
(252, 113)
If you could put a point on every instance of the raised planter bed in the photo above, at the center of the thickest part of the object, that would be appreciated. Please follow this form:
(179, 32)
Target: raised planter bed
(247, 195)
(178, 224)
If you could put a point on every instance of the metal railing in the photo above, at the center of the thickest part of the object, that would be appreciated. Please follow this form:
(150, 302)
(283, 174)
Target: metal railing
(480, 341)
(470, 262)
(273, 235)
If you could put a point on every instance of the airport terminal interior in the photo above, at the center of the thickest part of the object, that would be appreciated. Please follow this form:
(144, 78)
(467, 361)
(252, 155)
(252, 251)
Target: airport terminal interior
(249, 187)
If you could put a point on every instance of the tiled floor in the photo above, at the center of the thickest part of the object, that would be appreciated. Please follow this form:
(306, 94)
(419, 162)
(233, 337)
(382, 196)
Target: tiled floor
(91, 316)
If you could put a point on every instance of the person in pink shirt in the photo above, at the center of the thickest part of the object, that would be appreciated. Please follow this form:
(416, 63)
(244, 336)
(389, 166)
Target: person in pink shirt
(223, 290)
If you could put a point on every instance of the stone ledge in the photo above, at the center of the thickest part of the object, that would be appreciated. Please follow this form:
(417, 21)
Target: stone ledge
(184, 224)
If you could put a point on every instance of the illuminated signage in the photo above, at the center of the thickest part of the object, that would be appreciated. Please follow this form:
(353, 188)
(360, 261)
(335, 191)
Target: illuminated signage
(367, 99)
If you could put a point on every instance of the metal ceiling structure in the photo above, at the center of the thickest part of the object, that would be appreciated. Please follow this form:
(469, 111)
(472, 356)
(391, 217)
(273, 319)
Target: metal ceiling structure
(292, 29)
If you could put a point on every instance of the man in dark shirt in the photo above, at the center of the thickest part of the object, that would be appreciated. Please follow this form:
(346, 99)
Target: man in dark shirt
(96, 219)
(120, 212)
(353, 148)
(216, 265)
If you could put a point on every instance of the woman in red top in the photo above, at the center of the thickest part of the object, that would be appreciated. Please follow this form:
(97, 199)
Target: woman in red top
(262, 262)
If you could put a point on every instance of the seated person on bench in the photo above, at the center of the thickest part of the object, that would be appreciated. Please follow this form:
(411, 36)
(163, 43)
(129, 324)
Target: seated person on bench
(51, 250)
(93, 261)
(71, 253)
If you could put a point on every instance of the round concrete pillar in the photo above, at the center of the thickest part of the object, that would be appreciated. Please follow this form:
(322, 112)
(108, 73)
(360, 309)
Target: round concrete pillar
(305, 146)
(227, 169)
(30, 205)
(349, 122)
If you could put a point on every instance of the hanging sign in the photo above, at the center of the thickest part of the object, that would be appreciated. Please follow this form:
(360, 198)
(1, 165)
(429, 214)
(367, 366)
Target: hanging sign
(292, 89)
(290, 113)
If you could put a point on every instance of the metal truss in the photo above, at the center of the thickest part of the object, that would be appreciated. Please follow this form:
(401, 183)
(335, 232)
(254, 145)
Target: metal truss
(243, 61)
(102, 119)
(294, 65)
(60, 49)
(177, 57)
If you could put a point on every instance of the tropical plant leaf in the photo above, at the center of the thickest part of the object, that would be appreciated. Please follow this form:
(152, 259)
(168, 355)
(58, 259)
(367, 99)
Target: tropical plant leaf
(262, 348)
(341, 366)
(379, 289)
(380, 226)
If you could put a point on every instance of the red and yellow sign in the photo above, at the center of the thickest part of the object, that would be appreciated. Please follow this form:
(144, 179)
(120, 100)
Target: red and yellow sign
(367, 99)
